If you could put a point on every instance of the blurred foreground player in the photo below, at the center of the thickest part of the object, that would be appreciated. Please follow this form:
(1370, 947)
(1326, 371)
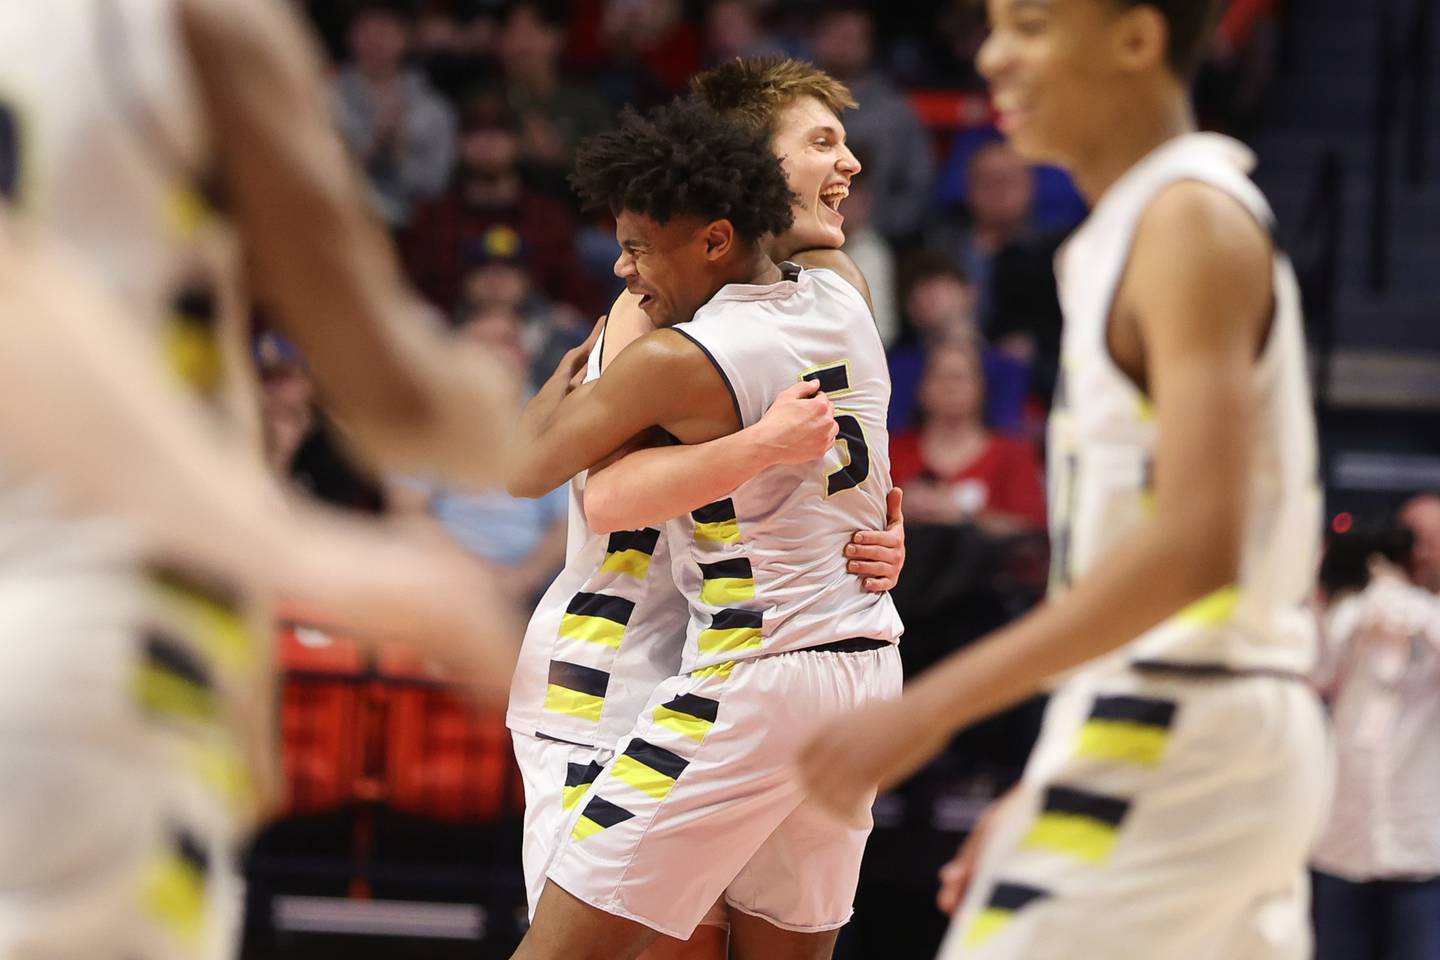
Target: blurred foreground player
(1181, 772)
(135, 684)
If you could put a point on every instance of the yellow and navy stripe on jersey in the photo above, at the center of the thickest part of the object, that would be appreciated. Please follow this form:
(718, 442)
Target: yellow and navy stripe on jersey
(173, 682)
(732, 630)
(597, 618)
(1079, 823)
(578, 778)
(629, 552)
(689, 714)
(576, 690)
(600, 814)
(173, 889)
(727, 581)
(648, 768)
(1127, 729)
(716, 522)
(1005, 901)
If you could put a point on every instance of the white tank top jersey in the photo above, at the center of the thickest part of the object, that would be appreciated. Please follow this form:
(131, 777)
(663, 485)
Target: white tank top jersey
(764, 569)
(604, 635)
(1102, 435)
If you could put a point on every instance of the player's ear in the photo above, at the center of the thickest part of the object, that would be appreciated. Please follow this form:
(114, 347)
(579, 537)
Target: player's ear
(1142, 38)
(719, 239)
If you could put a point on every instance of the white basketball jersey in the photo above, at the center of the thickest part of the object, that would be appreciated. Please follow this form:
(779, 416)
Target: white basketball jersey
(1102, 435)
(605, 634)
(764, 569)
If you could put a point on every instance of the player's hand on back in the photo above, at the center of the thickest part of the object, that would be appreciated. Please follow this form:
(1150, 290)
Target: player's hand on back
(957, 875)
(878, 556)
(799, 426)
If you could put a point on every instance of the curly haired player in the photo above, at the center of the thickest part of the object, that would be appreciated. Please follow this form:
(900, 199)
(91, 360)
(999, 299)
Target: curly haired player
(701, 800)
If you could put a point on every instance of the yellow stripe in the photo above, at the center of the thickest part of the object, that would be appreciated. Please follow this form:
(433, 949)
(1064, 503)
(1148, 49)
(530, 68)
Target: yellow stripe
(573, 795)
(1123, 741)
(574, 626)
(641, 777)
(986, 924)
(573, 702)
(723, 591)
(721, 641)
(693, 727)
(1144, 408)
(185, 210)
(585, 827)
(631, 562)
(722, 531)
(1083, 838)
(226, 635)
(163, 692)
(173, 892)
(1213, 610)
(225, 772)
(721, 670)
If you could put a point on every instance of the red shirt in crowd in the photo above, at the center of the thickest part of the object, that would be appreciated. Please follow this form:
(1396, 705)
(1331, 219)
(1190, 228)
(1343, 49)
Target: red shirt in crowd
(1005, 477)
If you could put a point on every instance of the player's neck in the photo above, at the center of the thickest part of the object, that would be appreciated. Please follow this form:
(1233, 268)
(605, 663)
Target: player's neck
(1126, 144)
(754, 268)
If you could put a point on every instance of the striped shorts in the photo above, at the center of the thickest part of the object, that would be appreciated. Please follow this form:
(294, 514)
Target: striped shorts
(1160, 818)
(702, 802)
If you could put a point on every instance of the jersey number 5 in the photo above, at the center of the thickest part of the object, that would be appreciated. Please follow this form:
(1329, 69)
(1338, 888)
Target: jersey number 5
(834, 379)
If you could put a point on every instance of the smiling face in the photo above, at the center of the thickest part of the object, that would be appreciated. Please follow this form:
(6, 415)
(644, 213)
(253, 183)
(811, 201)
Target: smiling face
(810, 142)
(668, 265)
(1062, 73)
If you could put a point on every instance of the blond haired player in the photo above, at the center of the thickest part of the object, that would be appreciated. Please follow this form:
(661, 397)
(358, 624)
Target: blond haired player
(1169, 804)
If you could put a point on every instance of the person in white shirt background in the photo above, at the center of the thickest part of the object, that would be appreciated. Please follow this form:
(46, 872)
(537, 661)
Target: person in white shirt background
(1377, 861)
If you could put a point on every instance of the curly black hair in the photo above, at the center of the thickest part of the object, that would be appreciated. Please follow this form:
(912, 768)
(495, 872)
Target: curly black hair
(684, 159)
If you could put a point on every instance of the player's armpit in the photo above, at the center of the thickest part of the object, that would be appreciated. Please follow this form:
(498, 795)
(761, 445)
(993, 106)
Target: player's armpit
(660, 380)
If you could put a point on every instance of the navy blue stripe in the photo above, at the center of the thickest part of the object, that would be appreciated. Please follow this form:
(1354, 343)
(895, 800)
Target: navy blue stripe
(642, 540)
(733, 619)
(701, 707)
(606, 813)
(616, 609)
(717, 512)
(572, 676)
(737, 568)
(831, 379)
(579, 773)
(1083, 803)
(1014, 896)
(1143, 710)
(657, 758)
(172, 656)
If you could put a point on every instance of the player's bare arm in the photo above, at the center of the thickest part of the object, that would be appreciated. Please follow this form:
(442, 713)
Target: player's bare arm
(661, 380)
(1198, 292)
(410, 396)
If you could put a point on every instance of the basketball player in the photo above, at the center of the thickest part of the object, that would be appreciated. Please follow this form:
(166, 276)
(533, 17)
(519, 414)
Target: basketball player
(127, 687)
(1168, 806)
(700, 800)
(555, 742)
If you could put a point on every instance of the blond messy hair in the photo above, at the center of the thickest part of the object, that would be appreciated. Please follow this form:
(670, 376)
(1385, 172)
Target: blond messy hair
(753, 91)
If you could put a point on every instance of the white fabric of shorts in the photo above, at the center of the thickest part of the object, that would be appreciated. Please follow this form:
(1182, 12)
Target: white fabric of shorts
(703, 802)
(1137, 836)
(114, 842)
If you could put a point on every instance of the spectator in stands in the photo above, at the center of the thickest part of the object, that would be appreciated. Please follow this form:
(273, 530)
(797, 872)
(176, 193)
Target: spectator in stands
(953, 468)
(1377, 862)
(455, 43)
(653, 34)
(454, 230)
(899, 164)
(939, 305)
(874, 256)
(1421, 515)
(523, 539)
(733, 29)
(287, 400)
(497, 276)
(554, 114)
(399, 128)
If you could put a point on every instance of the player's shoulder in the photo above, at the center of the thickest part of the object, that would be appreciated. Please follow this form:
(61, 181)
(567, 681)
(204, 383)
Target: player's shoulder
(839, 263)
(1198, 220)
